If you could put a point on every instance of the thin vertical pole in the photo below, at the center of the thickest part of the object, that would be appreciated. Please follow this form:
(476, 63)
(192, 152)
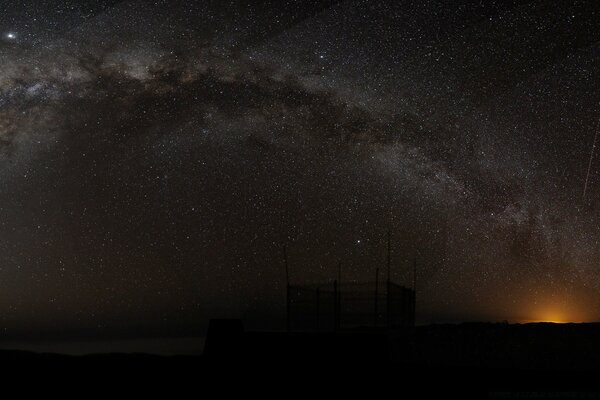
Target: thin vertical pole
(287, 289)
(389, 259)
(287, 270)
(339, 295)
(376, 297)
(414, 305)
(389, 263)
(318, 306)
(415, 275)
(335, 305)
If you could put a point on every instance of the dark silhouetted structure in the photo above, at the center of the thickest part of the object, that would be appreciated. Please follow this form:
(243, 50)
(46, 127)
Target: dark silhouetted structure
(350, 305)
(224, 339)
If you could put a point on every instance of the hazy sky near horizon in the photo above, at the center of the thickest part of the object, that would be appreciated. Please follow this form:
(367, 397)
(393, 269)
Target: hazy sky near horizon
(155, 156)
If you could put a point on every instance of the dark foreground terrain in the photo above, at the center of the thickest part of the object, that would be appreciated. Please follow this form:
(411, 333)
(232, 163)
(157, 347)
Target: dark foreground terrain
(472, 360)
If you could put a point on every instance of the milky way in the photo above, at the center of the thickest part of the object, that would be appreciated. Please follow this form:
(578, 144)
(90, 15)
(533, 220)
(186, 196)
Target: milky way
(155, 158)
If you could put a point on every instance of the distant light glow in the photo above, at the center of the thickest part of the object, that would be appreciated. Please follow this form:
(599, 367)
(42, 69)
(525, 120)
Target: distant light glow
(553, 320)
(11, 35)
(557, 314)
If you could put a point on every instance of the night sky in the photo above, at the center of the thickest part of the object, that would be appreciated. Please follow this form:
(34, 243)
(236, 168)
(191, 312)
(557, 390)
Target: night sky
(156, 156)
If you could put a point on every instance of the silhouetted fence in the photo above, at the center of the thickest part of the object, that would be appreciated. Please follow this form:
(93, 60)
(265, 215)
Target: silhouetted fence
(330, 306)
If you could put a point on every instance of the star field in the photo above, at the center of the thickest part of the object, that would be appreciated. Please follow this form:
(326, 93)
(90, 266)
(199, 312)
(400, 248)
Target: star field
(156, 156)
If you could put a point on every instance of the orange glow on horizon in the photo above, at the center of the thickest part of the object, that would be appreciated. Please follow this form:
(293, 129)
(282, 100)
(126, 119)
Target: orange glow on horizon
(558, 315)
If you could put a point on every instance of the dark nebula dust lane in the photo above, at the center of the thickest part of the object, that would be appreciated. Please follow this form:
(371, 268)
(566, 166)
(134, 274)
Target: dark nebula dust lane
(154, 158)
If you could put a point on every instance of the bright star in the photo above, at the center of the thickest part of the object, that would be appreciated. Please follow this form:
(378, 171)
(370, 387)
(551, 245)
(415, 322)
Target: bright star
(11, 35)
